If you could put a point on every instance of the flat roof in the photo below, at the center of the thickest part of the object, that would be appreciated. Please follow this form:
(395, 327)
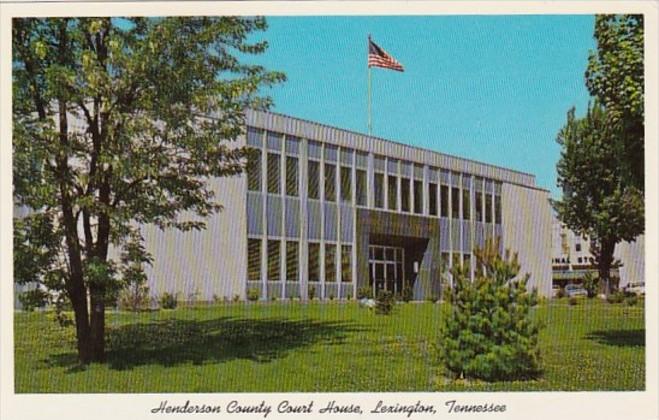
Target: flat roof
(396, 149)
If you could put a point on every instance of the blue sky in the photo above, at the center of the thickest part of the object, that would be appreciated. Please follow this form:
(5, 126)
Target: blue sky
(490, 88)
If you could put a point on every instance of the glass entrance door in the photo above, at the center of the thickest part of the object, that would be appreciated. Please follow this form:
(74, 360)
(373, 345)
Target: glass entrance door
(385, 266)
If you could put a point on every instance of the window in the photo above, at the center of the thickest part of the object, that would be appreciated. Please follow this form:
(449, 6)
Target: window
(445, 259)
(456, 259)
(432, 199)
(579, 260)
(361, 187)
(392, 192)
(455, 204)
(291, 176)
(444, 200)
(497, 209)
(466, 263)
(346, 184)
(488, 208)
(273, 261)
(346, 263)
(254, 171)
(254, 137)
(405, 194)
(418, 197)
(379, 190)
(330, 262)
(466, 210)
(273, 173)
(314, 261)
(330, 182)
(314, 180)
(479, 206)
(253, 259)
(292, 260)
(577, 247)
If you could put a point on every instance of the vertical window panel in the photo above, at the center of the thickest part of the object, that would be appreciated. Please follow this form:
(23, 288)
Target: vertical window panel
(479, 206)
(455, 204)
(432, 199)
(330, 182)
(361, 187)
(314, 261)
(253, 259)
(488, 208)
(292, 260)
(346, 184)
(330, 263)
(393, 192)
(466, 203)
(314, 180)
(346, 263)
(254, 171)
(444, 200)
(274, 260)
(418, 197)
(273, 173)
(379, 190)
(405, 194)
(497, 209)
(291, 176)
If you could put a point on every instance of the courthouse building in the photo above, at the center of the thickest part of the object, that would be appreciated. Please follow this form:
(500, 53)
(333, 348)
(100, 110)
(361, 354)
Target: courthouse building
(326, 211)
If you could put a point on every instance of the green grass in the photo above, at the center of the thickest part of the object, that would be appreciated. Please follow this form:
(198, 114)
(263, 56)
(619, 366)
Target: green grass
(278, 347)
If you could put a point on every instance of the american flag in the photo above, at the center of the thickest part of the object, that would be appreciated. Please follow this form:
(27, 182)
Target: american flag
(377, 57)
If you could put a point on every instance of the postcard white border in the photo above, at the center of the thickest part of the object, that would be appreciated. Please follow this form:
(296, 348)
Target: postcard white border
(521, 405)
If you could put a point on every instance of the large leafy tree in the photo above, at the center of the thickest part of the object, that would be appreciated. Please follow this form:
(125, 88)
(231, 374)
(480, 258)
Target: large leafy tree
(615, 76)
(597, 201)
(117, 123)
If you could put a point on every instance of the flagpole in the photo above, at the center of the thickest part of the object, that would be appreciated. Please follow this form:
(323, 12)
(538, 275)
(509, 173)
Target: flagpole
(369, 88)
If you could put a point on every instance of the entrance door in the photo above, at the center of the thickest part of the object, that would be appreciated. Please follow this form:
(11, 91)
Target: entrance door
(385, 264)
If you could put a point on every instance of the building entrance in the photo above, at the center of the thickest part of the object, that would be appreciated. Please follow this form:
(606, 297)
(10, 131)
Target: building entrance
(385, 267)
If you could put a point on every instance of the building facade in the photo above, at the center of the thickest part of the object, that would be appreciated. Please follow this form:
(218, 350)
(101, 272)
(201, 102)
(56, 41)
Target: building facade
(325, 212)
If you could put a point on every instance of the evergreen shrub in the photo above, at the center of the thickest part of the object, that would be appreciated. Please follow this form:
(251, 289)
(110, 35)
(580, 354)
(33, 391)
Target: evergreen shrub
(489, 332)
(384, 303)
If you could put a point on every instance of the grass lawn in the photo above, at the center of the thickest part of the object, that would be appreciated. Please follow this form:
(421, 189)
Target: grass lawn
(280, 347)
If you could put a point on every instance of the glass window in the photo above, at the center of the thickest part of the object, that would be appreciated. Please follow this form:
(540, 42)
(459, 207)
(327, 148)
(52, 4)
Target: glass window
(466, 203)
(254, 136)
(314, 261)
(253, 259)
(379, 190)
(444, 200)
(292, 260)
(497, 209)
(330, 262)
(273, 173)
(479, 206)
(445, 259)
(314, 180)
(346, 263)
(392, 189)
(467, 261)
(488, 208)
(577, 247)
(254, 171)
(274, 260)
(432, 199)
(291, 176)
(346, 184)
(330, 182)
(361, 187)
(455, 203)
(418, 197)
(405, 194)
(456, 259)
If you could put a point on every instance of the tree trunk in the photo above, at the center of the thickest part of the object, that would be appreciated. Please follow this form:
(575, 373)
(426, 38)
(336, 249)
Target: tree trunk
(97, 339)
(605, 261)
(78, 298)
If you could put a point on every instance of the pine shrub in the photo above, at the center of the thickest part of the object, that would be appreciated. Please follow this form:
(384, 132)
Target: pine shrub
(384, 303)
(490, 333)
(168, 301)
(407, 294)
(253, 294)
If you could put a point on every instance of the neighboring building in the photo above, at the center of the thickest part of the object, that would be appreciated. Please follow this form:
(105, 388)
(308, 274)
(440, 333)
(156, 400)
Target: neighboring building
(571, 258)
(332, 211)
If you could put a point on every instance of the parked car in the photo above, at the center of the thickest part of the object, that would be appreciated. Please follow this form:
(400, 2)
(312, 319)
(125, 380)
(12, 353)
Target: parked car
(574, 290)
(637, 288)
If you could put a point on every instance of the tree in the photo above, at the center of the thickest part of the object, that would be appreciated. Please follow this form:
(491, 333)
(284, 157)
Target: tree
(117, 123)
(596, 202)
(615, 77)
(490, 333)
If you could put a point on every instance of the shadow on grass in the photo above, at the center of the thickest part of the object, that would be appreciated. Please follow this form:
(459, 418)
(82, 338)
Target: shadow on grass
(173, 342)
(620, 338)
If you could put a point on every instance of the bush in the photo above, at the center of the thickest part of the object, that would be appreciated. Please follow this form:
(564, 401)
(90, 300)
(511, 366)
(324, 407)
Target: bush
(561, 293)
(384, 303)
(134, 298)
(616, 297)
(573, 300)
(489, 333)
(253, 294)
(631, 300)
(407, 294)
(32, 299)
(168, 301)
(591, 284)
(312, 292)
(364, 293)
